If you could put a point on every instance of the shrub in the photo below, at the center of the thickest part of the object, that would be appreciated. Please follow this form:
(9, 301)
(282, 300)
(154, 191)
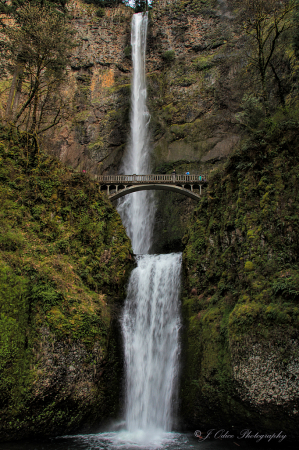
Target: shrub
(253, 112)
(100, 12)
(169, 56)
(128, 51)
(249, 266)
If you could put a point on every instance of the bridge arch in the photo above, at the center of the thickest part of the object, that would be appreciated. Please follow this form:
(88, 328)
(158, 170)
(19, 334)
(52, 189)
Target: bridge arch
(162, 187)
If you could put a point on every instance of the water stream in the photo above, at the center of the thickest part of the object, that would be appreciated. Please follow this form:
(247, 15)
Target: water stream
(137, 210)
(150, 321)
(150, 328)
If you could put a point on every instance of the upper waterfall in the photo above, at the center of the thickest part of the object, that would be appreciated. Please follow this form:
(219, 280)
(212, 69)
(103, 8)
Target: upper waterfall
(137, 210)
(136, 160)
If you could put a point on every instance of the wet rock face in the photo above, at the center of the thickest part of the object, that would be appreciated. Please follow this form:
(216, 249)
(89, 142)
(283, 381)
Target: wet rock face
(71, 388)
(241, 364)
(266, 378)
(194, 89)
(63, 371)
(194, 93)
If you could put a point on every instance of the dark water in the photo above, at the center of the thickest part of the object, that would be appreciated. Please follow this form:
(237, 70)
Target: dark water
(123, 440)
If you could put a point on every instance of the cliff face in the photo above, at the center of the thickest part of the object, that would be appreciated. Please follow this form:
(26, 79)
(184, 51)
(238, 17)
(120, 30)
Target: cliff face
(94, 131)
(190, 44)
(192, 114)
(64, 263)
(240, 304)
(65, 258)
(194, 91)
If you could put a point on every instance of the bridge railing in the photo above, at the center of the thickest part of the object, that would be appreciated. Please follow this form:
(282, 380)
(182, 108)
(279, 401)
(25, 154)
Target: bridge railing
(152, 178)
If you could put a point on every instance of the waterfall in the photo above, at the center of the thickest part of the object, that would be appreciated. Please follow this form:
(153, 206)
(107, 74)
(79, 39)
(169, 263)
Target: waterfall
(150, 322)
(150, 327)
(137, 210)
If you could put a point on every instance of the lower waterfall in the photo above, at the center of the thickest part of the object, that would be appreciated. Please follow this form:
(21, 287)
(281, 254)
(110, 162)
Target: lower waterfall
(150, 328)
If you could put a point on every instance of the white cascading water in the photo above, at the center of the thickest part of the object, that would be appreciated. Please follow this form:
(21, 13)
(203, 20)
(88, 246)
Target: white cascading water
(151, 327)
(138, 210)
(151, 320)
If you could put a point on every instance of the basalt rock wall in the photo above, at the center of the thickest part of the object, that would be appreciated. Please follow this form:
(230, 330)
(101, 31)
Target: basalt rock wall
(192, 94)
(240, 307)
(97, 91)
(194, 91)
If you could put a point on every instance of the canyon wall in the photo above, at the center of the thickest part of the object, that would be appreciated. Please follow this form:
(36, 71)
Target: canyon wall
(97, 91)
(64, 263)
(240, 358)
(192, 90)
(240, 304)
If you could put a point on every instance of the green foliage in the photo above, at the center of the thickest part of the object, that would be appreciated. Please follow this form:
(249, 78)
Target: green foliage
(100, 12)
(241, 263)
(287, 287)
(14, 314)
(64, 263)
(168, 56)
(128, 51)
(45, 294)
(249, 266)
(203, 63)
(253, 112)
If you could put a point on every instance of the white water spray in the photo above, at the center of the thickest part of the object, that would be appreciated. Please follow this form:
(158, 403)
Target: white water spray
(151, 321)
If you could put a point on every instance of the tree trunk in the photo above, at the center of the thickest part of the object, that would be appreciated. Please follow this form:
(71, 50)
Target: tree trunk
(14, 93)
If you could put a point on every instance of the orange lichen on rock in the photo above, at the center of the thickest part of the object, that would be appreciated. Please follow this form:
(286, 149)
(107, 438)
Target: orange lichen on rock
(108, 79)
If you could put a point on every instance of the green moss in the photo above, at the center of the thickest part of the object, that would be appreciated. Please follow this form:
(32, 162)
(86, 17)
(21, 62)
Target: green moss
(241, 256)
(64, 263)
(82, 116)
(203, 62)
(249, 266)
(128, 51)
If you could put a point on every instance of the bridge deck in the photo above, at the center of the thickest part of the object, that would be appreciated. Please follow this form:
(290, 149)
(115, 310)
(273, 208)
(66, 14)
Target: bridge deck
(148, 179)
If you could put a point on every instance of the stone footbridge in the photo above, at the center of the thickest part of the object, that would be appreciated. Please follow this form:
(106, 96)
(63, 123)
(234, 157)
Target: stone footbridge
(117, 186)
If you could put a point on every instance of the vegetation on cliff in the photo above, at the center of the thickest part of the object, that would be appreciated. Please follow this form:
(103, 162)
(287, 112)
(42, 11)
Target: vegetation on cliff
(212, 65)
(241, 263)
(242, 283)
(36, 42)
(64, 262)
(64, 255)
